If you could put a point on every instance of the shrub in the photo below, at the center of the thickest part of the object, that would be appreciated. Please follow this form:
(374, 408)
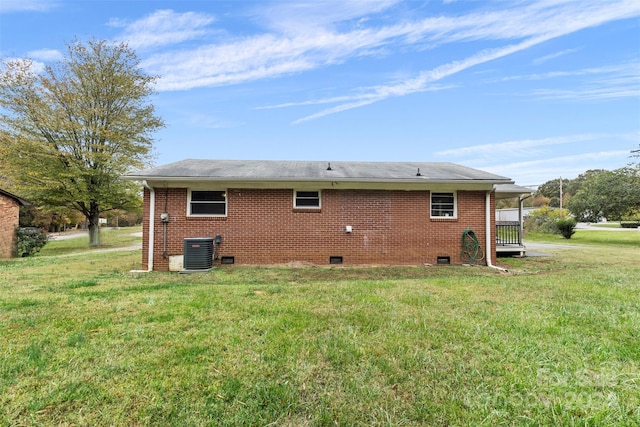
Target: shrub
(543, 220)
(630, 224)
(566, 227)
(31, 240)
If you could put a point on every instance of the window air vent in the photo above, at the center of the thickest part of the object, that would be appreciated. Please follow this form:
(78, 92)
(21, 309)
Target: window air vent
(335, 260)
(227, 260)
(443, 260)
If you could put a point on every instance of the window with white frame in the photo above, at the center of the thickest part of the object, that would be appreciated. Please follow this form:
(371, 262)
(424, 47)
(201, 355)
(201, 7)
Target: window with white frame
(306, 199)
(207, 203)
(444, 205)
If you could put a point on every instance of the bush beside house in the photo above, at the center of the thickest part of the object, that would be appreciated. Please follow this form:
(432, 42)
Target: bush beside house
(30, 240)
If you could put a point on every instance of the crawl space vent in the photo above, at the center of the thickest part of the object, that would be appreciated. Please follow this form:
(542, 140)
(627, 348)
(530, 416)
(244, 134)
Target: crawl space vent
(443, 260)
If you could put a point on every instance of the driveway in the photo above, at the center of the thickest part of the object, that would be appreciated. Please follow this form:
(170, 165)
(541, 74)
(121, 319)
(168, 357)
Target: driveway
(587, 226)
(85, 233)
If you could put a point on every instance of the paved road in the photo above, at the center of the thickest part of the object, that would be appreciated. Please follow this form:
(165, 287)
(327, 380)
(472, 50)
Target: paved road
(68, 235)
(586, 226)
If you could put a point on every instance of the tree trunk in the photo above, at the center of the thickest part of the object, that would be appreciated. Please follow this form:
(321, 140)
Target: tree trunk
(94, 226)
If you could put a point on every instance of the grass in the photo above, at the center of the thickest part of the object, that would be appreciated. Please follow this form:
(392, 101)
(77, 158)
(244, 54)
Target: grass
(552, 342)
(620, 239)
(109, 238)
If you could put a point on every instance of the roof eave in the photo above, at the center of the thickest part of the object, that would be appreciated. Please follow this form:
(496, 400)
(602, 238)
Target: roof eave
(241, 180)
(19, 200)
(319, 179)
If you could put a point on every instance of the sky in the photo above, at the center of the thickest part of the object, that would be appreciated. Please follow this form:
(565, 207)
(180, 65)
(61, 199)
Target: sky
(531, 90)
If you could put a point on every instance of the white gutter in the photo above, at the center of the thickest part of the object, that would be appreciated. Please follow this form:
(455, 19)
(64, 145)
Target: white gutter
(372, 180)
(152, 223)
(488, 234)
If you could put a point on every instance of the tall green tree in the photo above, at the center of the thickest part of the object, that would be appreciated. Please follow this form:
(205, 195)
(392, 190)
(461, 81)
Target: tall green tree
(71, 131)
(610, 194)
(551, 189)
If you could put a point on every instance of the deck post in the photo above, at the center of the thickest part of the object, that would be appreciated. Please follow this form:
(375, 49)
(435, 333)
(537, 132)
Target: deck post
(520, 219)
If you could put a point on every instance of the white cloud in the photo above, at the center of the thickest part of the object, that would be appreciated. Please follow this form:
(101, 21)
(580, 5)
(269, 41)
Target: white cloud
(304, 37)
(419, 83)
(551, 56)
(612, 81)
(46, 54)
(506, 158)
(163, 27)
(307, 17)
(540, 171)
(8, 6)
(345, 98)
(555, 26)
(523, 147)
(614, 85)
(627, 69)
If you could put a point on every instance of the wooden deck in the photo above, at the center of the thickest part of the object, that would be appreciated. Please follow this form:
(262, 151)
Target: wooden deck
(511, 250)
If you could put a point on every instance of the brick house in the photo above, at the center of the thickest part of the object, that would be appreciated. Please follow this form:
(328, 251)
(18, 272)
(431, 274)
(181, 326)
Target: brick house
(9, 221)
(276, 212)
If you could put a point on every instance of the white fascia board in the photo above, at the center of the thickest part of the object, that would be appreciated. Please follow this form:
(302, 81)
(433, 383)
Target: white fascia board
(342, 184)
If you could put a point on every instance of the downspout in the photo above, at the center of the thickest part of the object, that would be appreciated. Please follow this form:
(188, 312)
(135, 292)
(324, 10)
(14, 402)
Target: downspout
(488, 234)
(521, 219)
(152, 223)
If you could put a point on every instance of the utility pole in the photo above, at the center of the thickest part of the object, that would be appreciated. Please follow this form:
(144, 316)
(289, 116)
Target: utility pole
(561, 211)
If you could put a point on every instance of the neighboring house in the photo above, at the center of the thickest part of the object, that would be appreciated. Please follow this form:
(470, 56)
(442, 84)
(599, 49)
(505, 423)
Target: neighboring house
(277, 212)
(9, 221)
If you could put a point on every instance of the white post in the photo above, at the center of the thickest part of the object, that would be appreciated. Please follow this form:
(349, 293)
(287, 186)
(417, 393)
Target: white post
(520, 219)
(561, 214)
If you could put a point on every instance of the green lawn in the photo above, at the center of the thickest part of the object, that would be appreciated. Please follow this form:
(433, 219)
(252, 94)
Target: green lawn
(109, 238)
(555, 341)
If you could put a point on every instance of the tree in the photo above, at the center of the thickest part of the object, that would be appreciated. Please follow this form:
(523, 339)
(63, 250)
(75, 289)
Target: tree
(551, 190)
(609, 194)
(69, 133)
(540, 200)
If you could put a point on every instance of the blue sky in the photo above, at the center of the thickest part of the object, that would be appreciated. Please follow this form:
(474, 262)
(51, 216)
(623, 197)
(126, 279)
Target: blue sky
(532, 90)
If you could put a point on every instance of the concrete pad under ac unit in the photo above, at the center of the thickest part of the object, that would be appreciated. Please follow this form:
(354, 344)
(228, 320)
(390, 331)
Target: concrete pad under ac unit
(176, 262)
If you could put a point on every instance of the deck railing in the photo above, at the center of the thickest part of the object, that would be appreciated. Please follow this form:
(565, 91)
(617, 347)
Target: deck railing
(508, 233)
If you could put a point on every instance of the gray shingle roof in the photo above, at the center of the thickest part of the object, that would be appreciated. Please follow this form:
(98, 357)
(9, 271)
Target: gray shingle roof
(283, 170)
(19, 200)
(505, 191)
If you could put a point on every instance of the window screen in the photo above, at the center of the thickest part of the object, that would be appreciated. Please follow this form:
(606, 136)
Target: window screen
(443, 205)
(208, 203)
(307, 199)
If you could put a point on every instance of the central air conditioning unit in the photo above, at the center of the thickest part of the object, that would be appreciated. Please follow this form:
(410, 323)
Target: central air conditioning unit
(198, 255)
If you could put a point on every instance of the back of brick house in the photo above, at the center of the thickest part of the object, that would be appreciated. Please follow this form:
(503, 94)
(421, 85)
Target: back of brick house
(369, 213)
(9, 220)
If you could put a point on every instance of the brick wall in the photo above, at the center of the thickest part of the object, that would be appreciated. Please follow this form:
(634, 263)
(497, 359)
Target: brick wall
(262, 227)
(9, 214)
